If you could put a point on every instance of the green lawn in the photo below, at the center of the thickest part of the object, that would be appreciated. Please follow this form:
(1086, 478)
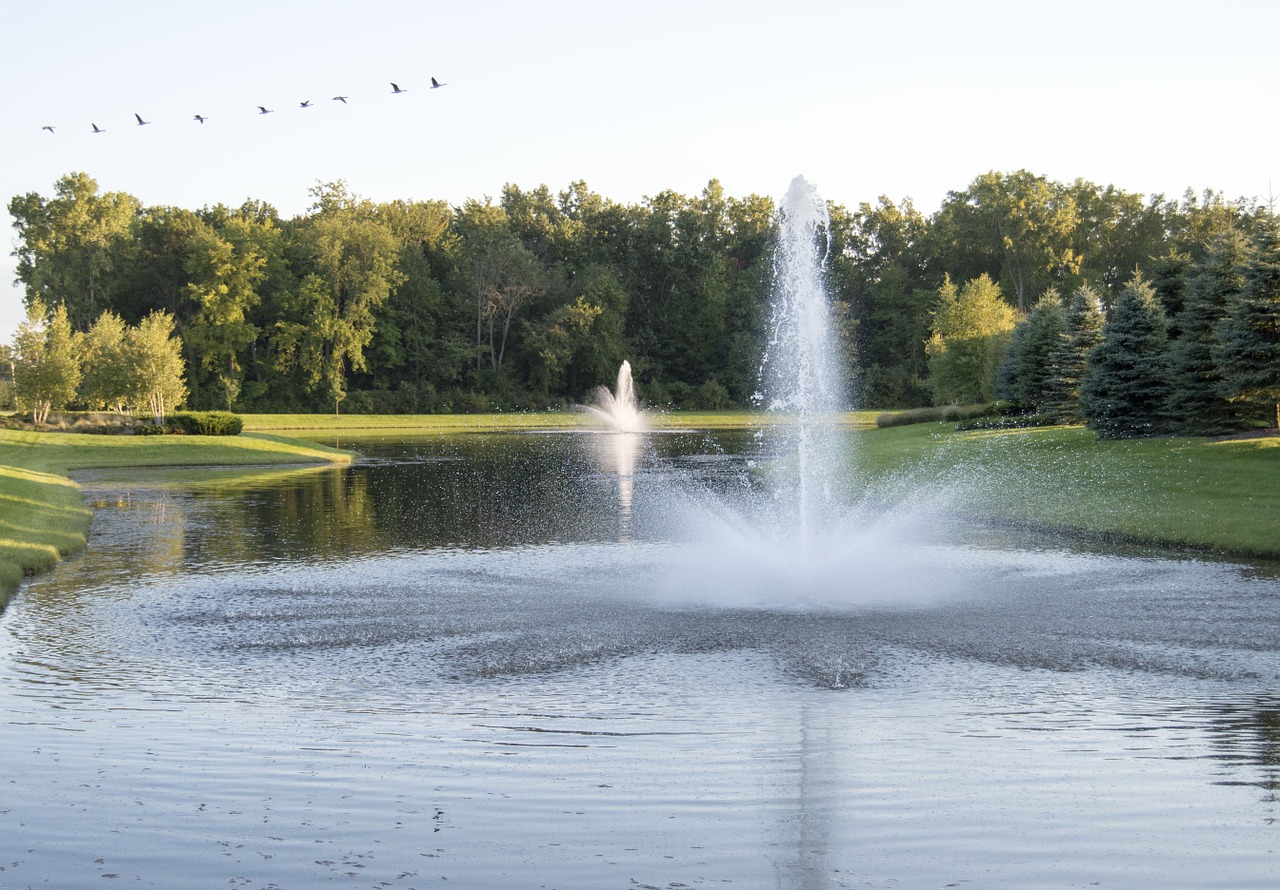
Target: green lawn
(1222, 496)
(42, 514)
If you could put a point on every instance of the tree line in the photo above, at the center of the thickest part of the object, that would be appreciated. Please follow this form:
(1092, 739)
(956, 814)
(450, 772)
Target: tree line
(533, 299)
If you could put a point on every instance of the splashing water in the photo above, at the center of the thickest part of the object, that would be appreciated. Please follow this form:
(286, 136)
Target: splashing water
(800, 372)
(619, 410)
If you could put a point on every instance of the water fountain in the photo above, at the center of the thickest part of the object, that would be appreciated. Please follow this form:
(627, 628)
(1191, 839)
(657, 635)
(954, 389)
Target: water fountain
(499, 703)
(619, 410)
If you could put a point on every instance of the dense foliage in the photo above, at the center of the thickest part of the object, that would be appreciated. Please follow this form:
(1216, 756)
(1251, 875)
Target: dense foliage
(535, 298)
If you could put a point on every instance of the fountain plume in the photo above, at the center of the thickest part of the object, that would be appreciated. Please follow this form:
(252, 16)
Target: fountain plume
(619, 410)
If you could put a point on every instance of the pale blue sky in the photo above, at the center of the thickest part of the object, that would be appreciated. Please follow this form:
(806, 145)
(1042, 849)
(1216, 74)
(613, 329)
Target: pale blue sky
(907, 99)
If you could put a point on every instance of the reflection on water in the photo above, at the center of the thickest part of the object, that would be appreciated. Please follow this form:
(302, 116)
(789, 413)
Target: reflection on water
(460, 659)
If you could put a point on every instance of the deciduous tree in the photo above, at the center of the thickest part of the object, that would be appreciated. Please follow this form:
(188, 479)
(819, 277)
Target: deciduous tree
(46, 372)
(68, 244)
(155, 357)
(971, 327)
(108, 376)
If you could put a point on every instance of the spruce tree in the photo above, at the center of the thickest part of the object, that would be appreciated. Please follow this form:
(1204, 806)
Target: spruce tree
(1126, 386)
(1027, 375)
(1197, 401)
(1248, 347)
(1082, 331)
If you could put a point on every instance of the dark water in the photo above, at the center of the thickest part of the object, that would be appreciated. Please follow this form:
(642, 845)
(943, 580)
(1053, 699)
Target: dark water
(498, 661)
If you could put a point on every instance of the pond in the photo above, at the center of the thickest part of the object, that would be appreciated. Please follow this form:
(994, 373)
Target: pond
(511, 661)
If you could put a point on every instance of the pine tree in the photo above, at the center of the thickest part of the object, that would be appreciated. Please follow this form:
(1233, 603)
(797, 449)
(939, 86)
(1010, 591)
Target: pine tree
(1026, 373)
(1248, 348)
(1125, 386)
(1082, 331)
(1197, 401)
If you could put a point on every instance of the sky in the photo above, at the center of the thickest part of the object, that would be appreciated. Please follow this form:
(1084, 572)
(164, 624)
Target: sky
(909, 99)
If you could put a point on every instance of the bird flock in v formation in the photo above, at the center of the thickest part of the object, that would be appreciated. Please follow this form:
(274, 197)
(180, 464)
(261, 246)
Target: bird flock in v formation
(396, 89)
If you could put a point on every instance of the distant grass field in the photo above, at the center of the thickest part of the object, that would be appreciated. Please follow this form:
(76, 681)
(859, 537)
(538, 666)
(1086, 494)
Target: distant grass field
(42, 513)
(481, 423)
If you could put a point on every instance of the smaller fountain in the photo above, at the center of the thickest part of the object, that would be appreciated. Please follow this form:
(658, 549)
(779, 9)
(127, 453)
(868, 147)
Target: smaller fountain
(619, 409)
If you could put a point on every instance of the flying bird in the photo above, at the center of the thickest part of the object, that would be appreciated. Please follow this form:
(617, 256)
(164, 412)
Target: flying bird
(306, 103)
(98, 129)
(47, 127)
(342, 99)
(200, 117)
(435, 84)
(396, 89)
(141, 122)
(262, 110)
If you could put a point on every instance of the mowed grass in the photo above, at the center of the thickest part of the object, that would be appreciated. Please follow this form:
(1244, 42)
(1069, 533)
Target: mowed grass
(1217, 495)
(42, 513)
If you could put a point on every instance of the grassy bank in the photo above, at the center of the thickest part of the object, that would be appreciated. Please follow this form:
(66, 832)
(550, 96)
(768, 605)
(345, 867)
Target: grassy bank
(1217, 495)
(42, 514)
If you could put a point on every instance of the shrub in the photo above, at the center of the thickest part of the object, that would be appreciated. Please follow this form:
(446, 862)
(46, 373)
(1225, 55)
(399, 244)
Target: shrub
(207, 423)
(940, 413)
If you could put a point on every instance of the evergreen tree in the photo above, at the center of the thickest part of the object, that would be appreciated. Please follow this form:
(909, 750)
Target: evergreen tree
(1025, 374)
(1197, 401)
(1126, 386)
(1248, 348)
(1082, 331)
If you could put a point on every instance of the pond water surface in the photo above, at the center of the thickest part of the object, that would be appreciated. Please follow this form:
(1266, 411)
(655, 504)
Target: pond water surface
(491, 661)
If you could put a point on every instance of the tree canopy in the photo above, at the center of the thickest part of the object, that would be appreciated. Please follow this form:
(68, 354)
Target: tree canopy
(532, 299)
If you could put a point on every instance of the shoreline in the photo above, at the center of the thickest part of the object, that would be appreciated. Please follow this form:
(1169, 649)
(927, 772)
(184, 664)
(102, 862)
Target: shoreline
(43, 516)
(1218, 497)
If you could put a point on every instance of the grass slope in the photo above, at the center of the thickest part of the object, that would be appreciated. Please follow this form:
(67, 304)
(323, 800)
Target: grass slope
(42, 513)
(1216, 495)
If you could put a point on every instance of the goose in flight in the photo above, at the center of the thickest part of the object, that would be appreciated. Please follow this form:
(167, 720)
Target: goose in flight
(396, 89)
(47, 127)
(264, 110)
(435, 84)
(200, 117)
(98, 129)
(305, 103)
(141, 122)
(342, 99)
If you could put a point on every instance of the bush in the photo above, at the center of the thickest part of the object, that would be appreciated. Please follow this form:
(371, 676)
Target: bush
(940, 413)
(207, 423)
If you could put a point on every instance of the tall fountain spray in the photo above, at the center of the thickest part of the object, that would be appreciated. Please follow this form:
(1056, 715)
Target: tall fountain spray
(800, 374)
